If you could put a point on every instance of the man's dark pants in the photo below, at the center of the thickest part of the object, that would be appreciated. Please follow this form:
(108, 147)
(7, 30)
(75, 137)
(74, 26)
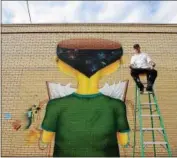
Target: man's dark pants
(150, 73)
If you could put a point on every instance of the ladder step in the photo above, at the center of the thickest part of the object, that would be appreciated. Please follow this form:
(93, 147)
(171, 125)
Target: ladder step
(152, 129)
(155, 143)
(148, 103)
(150, 115)
(146, 93)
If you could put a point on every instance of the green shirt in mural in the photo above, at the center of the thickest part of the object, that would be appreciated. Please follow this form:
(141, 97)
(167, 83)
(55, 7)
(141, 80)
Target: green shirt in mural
(85, 125)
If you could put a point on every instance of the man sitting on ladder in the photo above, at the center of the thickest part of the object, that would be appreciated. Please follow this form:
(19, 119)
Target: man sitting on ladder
(141, 63)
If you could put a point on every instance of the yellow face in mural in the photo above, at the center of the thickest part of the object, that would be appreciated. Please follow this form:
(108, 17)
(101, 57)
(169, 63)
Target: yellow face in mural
(67, 69)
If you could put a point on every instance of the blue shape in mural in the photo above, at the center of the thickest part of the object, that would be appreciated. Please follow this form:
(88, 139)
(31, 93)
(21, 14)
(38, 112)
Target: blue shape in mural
(7, 116)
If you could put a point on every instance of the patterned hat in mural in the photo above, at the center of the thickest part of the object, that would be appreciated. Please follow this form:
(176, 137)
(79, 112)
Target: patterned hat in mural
(89, 55)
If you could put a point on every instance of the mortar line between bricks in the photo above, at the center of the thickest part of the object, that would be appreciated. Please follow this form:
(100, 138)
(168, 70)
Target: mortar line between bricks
(87, 32)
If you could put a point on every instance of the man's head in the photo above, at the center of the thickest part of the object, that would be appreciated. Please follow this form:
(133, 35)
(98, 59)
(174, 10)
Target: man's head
(136, 48)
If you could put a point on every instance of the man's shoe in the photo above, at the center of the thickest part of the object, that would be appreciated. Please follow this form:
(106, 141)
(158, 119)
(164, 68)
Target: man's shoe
(140, 85)
(142, 90)
(149, 88)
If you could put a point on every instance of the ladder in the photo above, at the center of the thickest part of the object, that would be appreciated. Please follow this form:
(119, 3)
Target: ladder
(138, 112)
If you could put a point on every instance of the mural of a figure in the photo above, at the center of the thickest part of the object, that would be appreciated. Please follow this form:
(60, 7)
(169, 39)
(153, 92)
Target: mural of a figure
(86, 122)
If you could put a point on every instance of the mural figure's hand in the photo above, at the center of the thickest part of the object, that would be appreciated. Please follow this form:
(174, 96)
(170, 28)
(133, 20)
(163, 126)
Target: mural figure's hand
(33, 135)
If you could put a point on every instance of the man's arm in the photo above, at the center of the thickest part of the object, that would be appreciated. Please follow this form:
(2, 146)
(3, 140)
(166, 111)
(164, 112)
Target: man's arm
(132, 62)
(149, 60)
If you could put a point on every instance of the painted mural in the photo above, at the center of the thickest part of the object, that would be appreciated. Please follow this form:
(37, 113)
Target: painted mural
(87, 120)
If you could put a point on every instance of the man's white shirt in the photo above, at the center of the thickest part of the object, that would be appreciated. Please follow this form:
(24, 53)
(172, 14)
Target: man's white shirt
(141, 60)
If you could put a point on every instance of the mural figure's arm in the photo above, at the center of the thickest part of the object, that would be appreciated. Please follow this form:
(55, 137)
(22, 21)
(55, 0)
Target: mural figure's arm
(49, 122)
(123, 138)
(122, 124)
(46, 136)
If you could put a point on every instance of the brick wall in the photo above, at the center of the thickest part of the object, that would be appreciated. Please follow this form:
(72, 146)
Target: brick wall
(27, 62)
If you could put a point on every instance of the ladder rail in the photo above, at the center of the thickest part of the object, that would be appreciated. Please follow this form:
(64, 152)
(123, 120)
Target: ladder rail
(162, 125)
(140, 123)
(135, 107)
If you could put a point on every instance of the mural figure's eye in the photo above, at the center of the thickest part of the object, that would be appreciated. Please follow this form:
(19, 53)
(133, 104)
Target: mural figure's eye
(36, 112)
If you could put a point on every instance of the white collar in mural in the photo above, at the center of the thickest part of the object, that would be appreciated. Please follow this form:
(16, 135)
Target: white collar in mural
(116, 90)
